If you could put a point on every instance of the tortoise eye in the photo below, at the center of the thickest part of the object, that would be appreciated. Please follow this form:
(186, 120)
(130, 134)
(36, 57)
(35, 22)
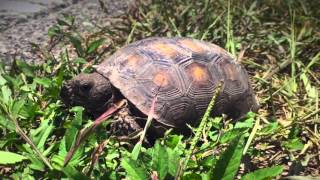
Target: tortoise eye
(85, 88)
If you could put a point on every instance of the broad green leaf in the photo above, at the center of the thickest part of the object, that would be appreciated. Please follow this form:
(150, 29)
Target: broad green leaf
(76, 42)
(269, 128)
(206, 176)
(208, 161)
(36, 163)
(27, 69)
(248, 122)
(3, 81)
(134, 171)
(8, 139)
(80, 61)
(192, 176)
(14, 81)
(59, 78)
(45, 82)
(160, 160)
(48, 150)
(93, 46)
(2, 67)
(10, 158)
(41, 134)
(264, 174)
(73, 173)
(312, 92)
(27, 174)
(69, 18)
(6, 123)
(6, 95)
(232, 134)
(228, 164)
(70, 137)
(62, 22)
(216, 122)
(25, 88)
(57, 161)
(172, 141)
(53, 31)
(173, 161)
(294, 144)
(294, 132)
(29, 109)
(72, 131)
(136, 151)
(16, 108)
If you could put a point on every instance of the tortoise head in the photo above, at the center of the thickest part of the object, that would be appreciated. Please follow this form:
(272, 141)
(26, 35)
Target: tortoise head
(92, 91)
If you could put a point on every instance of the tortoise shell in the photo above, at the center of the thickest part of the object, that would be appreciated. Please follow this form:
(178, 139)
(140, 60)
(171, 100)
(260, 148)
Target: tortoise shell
(184, 74)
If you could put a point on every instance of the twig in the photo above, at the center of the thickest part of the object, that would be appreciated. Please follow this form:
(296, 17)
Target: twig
(241, 54)
(195, 139)
(95, 155)
(306, 147)
(271, 99)
(84, 133)
(310, 115)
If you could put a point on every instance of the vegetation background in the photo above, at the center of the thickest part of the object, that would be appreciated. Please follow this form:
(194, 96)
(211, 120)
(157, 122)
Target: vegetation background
(278, 42)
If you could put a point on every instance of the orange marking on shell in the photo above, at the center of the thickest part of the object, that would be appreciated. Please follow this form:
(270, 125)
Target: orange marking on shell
(165, 49)
(160, 79)
(199, 73)
(133, 59)
(190, 44)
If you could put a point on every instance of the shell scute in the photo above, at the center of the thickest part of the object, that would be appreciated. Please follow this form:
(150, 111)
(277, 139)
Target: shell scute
(183, 73)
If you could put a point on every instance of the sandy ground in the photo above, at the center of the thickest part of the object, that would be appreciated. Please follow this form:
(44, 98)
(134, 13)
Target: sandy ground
(22, 23)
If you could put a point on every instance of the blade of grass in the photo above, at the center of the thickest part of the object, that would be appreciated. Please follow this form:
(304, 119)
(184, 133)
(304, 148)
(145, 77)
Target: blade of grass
(129, 39)
(195, 139)
(292, 43)
(136, 151)
(230, 40)
(251, 136)
(204, 35)
(175, 27)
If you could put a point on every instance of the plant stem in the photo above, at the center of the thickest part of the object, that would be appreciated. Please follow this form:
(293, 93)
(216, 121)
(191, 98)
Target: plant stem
(195, 139)
(251, 136)
(29, 141)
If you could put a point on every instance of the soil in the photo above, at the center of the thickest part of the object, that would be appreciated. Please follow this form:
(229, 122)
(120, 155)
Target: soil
(20, 26)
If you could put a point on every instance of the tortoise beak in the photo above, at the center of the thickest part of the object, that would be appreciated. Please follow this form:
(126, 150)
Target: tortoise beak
(66, 94)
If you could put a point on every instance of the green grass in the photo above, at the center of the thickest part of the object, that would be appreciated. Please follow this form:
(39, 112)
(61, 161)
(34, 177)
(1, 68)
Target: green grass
(276, 41)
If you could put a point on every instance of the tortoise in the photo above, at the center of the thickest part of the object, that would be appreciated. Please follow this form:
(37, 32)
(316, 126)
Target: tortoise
(182, 72)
